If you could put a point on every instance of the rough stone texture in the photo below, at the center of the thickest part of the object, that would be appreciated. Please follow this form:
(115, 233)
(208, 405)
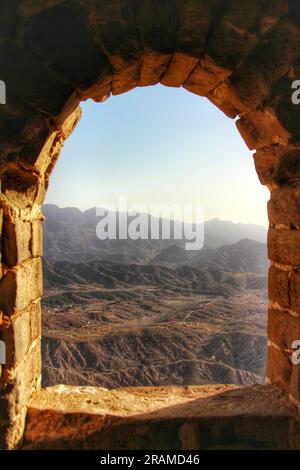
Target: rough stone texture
(214, 416)
(23, 131)
(179, 69)
(295, 290)
(20, 286)
(278, 165)
(280, 367)
(62, 28)
(17, 386)
(22, 188)
(279, 286)
(29, 79)
(261, 128)
(268, 62)
(44, 161)
(22, 240)
(284, 206)
(112, 25)
(282, 372)
(284, 246)
(23, 329)
(283, 328)
(205, 77)
(244, 57)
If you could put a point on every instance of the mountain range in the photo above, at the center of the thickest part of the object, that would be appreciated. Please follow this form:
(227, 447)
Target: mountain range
(148, 312)
(69, 232)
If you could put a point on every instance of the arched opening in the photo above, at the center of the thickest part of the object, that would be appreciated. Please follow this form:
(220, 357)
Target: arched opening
(148, 312)
(55, 54)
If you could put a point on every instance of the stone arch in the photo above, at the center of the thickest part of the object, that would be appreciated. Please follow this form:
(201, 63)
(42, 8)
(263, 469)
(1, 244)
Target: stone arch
(55, 53)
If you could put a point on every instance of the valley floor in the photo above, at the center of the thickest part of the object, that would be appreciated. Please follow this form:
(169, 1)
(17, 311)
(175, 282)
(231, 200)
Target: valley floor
(152, 336)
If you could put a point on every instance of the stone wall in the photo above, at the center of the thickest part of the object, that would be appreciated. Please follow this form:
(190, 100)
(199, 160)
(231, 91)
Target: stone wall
(242, 56)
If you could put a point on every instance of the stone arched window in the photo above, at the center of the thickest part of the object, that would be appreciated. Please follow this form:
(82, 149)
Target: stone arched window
(243, 56)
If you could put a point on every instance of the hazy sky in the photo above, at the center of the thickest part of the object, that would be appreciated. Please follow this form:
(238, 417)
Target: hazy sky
(159, 145)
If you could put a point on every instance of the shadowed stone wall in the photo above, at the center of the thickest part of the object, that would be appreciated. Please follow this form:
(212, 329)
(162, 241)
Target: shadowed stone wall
(242, 56)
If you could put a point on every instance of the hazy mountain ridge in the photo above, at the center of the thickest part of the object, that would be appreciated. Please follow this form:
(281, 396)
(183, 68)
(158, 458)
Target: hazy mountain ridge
(69, 232)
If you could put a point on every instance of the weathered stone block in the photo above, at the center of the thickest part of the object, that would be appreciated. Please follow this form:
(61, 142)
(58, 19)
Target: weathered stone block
(32, 81)
(279, 368)
(16, 241)
(113, 25)
(251, 84)
(59, 37)
(262, 128)
(158, 26)
(166, 420)
(25, 328)
(194, 23)
(14, 433)
(51, 148)
(231, 37)
(17, 340)
(257, 16)
(279, 286)
(35, 320)
(20, 286)
(100, 91)
(178, 70)
(153, 67)
(70, 123)
(125, 78)
(287, 113)
(158, 29)
(23, 132)
(295, 290)
(226, 99)
(278, 165)
(238, 36)
(22, 188)
(284, 246)
(284, 206)
(24, 380)
(205, 77)
(283, 329)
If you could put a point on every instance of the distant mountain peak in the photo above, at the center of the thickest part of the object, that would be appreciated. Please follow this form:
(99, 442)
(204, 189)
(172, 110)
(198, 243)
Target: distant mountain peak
(70, 233)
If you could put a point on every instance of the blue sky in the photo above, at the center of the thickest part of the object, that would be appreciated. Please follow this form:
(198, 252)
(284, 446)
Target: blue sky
(159, 145)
